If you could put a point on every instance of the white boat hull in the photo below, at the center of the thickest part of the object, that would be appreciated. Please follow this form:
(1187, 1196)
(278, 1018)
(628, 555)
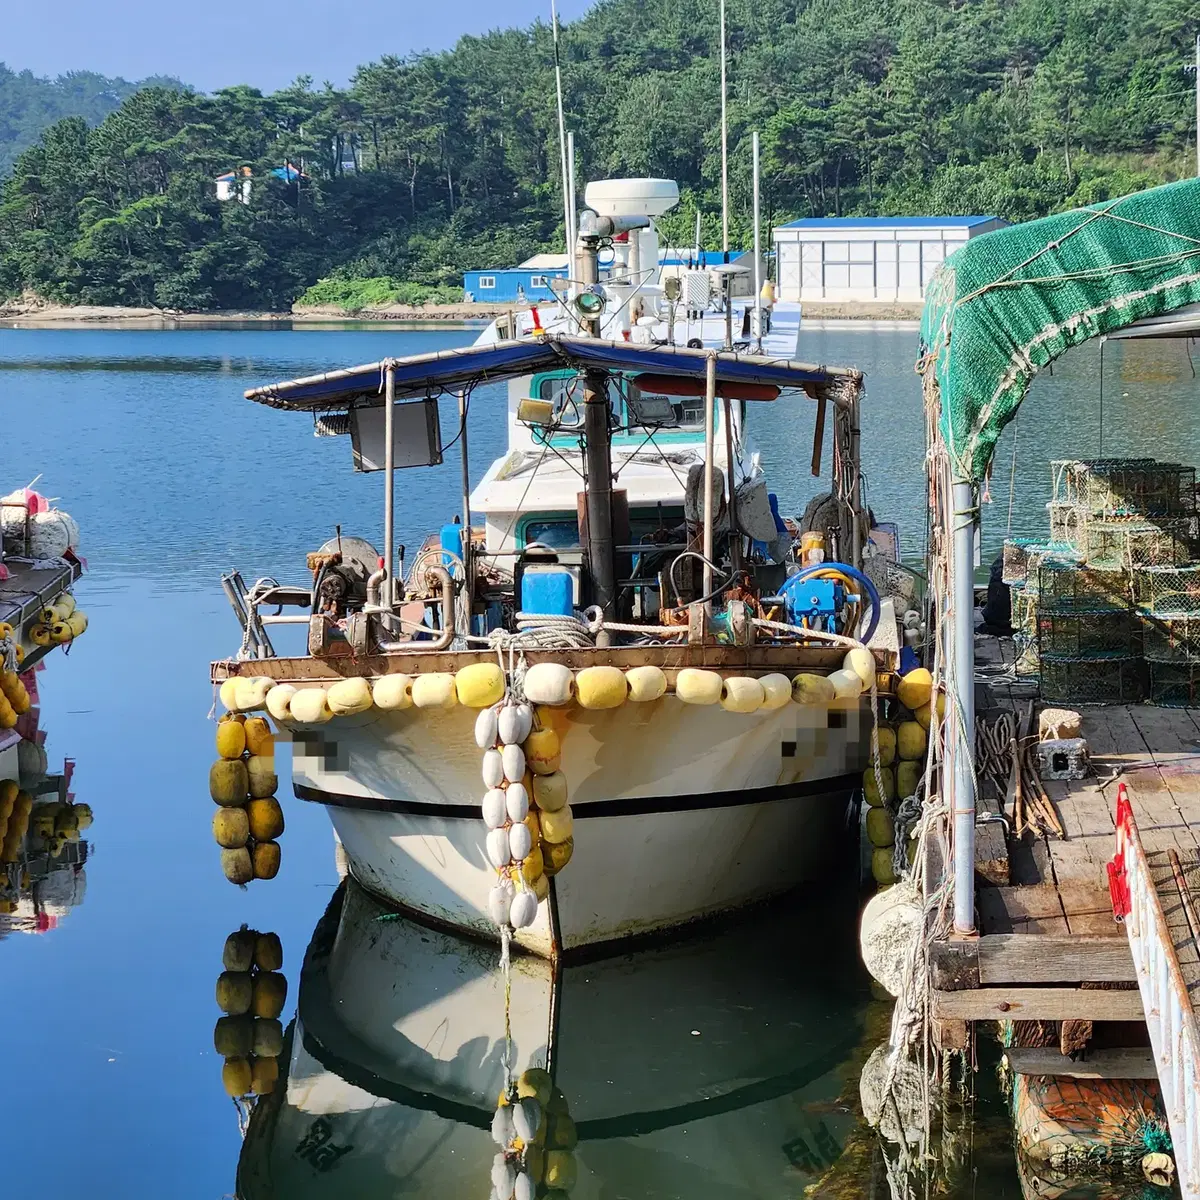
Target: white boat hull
(681, 812)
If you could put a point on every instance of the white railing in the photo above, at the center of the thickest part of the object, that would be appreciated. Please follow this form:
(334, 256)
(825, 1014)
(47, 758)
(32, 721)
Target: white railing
(1170, 1017)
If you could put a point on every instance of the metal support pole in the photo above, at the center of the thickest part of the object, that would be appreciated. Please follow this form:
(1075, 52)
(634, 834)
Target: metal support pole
(710, 396)
(573, 232)
(735, 543)
(466, 500)
(598, 488)
(389, 485)
(961, 710)
(860, 519)
(724, 146)
(1197, 70)
(758, 323)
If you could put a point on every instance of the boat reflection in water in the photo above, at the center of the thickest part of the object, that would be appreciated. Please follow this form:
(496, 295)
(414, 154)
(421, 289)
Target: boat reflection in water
(702, 1068)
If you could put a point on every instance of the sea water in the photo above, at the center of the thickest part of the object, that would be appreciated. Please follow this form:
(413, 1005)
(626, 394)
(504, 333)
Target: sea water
(113, 1082)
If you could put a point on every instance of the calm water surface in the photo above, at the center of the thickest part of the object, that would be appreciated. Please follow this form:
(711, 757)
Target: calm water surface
(114, 1084)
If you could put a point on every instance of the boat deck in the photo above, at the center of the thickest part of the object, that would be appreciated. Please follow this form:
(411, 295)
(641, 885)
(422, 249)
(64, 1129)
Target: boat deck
(1049, 947)
(28, 589)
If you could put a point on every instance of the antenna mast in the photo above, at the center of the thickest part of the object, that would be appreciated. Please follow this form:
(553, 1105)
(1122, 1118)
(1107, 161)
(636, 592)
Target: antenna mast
(724, 146)
(568, 232)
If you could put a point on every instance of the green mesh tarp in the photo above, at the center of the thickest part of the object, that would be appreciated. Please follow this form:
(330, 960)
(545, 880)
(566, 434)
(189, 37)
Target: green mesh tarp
(1011, 301)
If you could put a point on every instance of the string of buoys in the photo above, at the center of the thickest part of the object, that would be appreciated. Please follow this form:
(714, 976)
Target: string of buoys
(14, 697)
(251, 992)
(532, 1126)
(530, 827)
(249, 820)
(59, 623)
(896, 773)
(551, 685)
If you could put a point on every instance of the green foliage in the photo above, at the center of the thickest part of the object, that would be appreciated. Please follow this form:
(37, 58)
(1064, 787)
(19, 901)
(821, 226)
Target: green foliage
(354, 295)
(428, 165)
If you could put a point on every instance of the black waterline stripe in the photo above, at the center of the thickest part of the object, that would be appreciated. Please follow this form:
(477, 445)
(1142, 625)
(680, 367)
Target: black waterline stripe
(631, 807)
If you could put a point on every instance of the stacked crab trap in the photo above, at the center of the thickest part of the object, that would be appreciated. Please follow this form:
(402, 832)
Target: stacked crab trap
(1107, 609)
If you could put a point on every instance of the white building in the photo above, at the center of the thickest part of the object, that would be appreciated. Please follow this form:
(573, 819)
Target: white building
(868, 258)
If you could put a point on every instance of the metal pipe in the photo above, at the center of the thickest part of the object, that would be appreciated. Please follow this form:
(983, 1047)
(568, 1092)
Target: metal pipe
(962, 708)
(724, 147)
(239, 610)
(735, 539)
(710, 396)
(758, 327)
(602, 561)
(280, 619)
(389, 482)
(573, 232)
(443, 640)
(857, 538)
(468, 580)
(562, 135)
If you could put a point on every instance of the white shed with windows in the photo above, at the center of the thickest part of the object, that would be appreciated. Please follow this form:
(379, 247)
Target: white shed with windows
(868, 258)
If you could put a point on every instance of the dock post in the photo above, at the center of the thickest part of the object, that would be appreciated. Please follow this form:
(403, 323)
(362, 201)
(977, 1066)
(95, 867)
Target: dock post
(960, 642)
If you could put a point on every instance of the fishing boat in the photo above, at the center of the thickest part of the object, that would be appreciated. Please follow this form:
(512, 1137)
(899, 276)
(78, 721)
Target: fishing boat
(646, 640)
(709, 1068)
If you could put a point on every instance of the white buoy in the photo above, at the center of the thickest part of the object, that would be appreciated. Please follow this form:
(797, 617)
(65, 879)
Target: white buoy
(493, 769)
(485, 728)
(515, 722)
(520, 841)
(497, 848)
(504, 1177)
(516, 802)
(513, 763)
(499, 902)
(494, 807)
(527, 1113)
(523, 910)
(502, 1123)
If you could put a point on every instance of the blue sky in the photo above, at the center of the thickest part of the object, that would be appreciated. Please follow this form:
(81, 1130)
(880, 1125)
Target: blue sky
(266, 43)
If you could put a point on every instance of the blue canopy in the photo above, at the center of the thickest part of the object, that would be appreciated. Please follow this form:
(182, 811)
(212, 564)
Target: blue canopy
(453, 370)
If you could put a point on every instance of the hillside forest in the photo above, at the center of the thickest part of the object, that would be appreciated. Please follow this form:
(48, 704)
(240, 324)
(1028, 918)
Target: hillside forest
(430, 164)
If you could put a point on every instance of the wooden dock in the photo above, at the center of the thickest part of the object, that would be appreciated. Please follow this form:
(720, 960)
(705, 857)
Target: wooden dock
(1049, 948)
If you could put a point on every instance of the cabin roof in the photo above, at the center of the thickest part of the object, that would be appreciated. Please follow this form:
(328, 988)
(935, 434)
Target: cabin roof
(465, 368)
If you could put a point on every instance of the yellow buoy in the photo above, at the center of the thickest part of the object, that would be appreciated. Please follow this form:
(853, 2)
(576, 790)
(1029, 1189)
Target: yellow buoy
(915, 689)
(265, 819)
(847, 685)
(694, 686)
(740, 694)
(264, 1074)
(348, 697)
(237, 1077)
(881, 866)
(908, 776)
(556, 855)
(550, 791)
(231, 828)
(601, 687)
(479, 685)
(260, 772)
(645, 683)
(268, 952)
(871, 786)
(391, 692)
(228, 782)
(235, 992)
(8, 717)
(238, 954)
(260, 741)
(557, 826)
(543, 752)
(812, 689)
(39, 635)
(549, 683)
(77, 622)
(228, 694)
(881, 829)
(911, 741)
(435, 690)
(887, 745)
(279, 701)
(250, 694)
(535, 1084)
(267, 1037)
(862, 662)
(533, 864)
(233, 1037)
(270, 994)
(777, 690)
(309, 707)
(231, 739)
(265, 859)
(561, 1171)
(237, 865)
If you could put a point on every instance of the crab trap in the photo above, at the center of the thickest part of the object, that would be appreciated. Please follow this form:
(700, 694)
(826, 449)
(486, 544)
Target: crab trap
(1023, 555)
(1174, 684)
(1133, 543)
(1172, 637)
(1166, 590)
(1102, 634)
(1106, 680)
(1072, 587)
(1125, 486)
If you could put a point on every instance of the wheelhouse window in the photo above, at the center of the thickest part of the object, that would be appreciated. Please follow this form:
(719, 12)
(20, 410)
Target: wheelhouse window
(632, 407)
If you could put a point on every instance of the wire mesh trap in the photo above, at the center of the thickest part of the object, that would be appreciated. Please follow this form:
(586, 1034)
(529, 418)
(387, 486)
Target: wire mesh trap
(1174, 684)
(1075, 681)
(1167, 591)
(1072, 587)
(1101, 634)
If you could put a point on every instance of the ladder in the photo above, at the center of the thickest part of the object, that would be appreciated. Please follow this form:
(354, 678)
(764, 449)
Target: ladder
(1145, 888)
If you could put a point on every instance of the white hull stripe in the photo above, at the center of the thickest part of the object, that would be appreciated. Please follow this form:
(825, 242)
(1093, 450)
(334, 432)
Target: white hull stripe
(631, 806)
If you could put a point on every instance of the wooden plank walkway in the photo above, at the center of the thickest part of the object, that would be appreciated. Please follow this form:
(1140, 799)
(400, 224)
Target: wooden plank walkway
(1051, 925)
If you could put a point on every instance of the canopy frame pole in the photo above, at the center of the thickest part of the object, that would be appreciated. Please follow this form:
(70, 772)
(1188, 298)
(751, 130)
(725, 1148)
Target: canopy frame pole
(463, 405)
(601, 548)
(389, 485)
(710, 396)
(961, 639)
